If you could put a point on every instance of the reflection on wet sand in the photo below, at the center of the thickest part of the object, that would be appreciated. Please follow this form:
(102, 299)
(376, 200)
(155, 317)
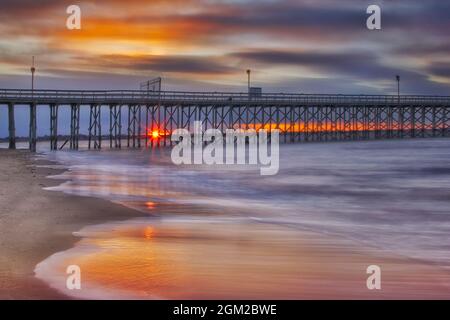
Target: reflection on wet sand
(227, 259)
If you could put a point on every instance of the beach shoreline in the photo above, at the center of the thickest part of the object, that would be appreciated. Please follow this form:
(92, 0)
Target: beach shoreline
(29, 236)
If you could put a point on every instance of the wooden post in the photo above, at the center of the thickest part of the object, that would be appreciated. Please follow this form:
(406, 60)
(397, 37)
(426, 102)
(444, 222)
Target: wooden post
(129, 126)
(111, 110)
(139, 126)
(99, 126)
(32, 134)
(53, 127)
(11, 127)
(72, 127)
(90, 126)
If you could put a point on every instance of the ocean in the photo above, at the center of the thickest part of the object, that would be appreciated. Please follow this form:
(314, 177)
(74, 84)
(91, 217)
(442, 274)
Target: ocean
(227, 232)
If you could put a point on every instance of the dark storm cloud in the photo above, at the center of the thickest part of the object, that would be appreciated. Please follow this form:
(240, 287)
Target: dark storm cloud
(424, 48)
(275, 17)
(325, 59)
(365, 65)
(162, 63)
(440, 69)
(11, 10)
(182, 64)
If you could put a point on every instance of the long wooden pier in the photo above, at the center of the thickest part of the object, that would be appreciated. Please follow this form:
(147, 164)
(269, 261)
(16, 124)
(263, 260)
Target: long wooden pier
(152, 116)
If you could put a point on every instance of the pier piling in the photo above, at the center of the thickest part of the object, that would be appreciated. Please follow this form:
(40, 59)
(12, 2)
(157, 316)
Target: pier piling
(11, 126)
(95, 127)
(33, 128)
(53, 127)
(74, 126)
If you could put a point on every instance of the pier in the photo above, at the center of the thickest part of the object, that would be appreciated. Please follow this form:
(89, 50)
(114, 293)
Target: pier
(153, 115)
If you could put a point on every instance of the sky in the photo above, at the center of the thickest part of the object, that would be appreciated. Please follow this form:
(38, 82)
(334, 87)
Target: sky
(307, 46)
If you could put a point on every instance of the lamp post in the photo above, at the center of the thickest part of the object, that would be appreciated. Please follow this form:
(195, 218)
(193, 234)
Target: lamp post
(248, 75)
(397, 77)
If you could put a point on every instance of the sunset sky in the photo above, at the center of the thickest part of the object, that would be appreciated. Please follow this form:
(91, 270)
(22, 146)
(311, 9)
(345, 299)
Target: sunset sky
(310, 46)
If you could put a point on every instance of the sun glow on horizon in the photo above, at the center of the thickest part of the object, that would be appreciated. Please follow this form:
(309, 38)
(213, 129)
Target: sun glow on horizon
(155, 134)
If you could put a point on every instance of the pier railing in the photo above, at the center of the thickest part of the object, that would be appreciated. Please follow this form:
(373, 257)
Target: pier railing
(18, 96)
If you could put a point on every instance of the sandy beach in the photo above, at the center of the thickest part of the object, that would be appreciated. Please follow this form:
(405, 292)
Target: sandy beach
(35, 223)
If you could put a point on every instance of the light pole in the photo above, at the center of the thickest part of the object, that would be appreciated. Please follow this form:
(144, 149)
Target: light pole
(248, 74)
(398, 87)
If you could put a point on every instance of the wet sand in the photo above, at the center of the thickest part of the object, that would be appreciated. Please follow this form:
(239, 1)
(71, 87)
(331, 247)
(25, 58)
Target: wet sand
(35, 223)
(178, 258)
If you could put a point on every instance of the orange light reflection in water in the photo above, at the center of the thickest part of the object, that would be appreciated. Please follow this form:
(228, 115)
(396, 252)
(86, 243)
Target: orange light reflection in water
(150, 205)
(314, 127)
(156, 134)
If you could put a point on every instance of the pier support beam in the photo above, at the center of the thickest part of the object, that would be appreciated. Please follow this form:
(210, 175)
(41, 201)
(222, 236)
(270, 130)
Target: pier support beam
(54, 127)
(446, 121)
(95, 127)
(154, 113)
(32, 133)
(74, 126)
(134, 126)
(11, 126)
(115, 126)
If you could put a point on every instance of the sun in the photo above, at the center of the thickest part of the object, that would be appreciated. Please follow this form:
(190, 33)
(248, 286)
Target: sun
(155, 134)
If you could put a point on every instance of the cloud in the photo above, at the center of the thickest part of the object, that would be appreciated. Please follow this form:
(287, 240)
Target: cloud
(210, 41)
(364, 65)
(440, 69)
(166, 63)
